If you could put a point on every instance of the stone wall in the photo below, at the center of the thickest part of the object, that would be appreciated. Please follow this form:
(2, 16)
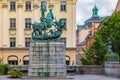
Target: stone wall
(23, 68)
(112, 69)
(74, 69)
(108, 69)
(90, 69)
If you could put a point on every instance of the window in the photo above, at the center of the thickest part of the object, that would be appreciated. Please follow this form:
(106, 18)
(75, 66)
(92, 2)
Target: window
(63, 6)
(25, 60)
(63, 20)
(12, 23)
(12, 6)
(28, 6)
(13, 60)
(27, 42)
(12, 42)
(44, 3)
(63, 40)
(67, 60)
(27, 23)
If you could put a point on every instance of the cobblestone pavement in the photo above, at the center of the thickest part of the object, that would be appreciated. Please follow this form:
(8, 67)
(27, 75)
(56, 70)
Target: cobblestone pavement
(94, 77)
(76, 77)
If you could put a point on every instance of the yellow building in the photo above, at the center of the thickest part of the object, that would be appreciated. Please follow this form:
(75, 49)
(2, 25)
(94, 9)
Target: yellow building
(16, 32)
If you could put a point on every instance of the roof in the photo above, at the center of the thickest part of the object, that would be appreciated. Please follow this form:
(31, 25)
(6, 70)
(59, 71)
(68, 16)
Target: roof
(79, 27)
(93, 18)
(101, 23)
(89, 21)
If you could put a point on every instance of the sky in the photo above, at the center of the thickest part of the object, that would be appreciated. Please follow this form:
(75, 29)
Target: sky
(84, 9)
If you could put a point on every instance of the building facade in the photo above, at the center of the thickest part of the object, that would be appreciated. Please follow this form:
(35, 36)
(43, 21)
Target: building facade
(15, 36)
(84, 33)
(117, 6)
(81, 34)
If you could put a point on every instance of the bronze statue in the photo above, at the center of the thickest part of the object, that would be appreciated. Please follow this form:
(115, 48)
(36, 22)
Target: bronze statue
(43, 30)
(112, 56)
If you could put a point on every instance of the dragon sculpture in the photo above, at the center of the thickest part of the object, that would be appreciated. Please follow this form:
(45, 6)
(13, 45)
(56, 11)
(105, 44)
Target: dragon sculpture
(48, 28)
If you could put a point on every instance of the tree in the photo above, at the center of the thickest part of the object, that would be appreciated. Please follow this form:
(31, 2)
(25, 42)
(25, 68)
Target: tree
(109, 31)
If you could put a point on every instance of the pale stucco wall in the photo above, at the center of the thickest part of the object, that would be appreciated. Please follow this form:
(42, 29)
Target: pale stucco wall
(20, 14)
(0, 24)
(83, 34)
(20, 53)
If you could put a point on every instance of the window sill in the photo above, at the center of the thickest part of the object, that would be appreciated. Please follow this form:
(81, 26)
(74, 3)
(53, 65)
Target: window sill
(63, 10)
(28, 10)
(12, 10)
(12, 47)
(27, 29)
(64, 29)
(12, 29)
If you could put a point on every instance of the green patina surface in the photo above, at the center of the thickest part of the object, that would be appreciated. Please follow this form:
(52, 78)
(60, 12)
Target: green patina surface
(95, 11)
(48, 28)
(112, 56)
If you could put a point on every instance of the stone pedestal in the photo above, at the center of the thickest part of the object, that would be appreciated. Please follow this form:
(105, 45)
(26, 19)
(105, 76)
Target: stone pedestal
(47, 59)
(112, 68)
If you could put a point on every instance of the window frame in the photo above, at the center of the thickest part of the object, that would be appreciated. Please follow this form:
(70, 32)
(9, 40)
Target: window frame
(25, 62)
(27, 42)
(63, 6)
(28, 6)
(43, 2)
(67, 60)
(65, 20)
(63, 39)
(12, 23)
(13, 62)
(27, 21)
(12, 5)
(12, 42)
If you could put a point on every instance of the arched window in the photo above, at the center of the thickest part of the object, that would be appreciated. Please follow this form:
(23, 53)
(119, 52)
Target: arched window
(13, 60)
(25, 60)
(67, 60)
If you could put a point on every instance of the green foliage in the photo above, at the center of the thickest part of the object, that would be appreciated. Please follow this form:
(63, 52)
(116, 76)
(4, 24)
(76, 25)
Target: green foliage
(3, 67)
(1, 60)
(109, 30)
(92, 56)
(15, 73)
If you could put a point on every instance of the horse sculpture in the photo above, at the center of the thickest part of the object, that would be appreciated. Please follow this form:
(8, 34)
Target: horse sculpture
(40, 31)
(43, 30)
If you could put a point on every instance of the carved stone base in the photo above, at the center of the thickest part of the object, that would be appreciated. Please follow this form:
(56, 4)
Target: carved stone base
(47, 59)
(112, 68)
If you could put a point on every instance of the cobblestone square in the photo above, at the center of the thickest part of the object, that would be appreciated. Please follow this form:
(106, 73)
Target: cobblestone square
(75, 77)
